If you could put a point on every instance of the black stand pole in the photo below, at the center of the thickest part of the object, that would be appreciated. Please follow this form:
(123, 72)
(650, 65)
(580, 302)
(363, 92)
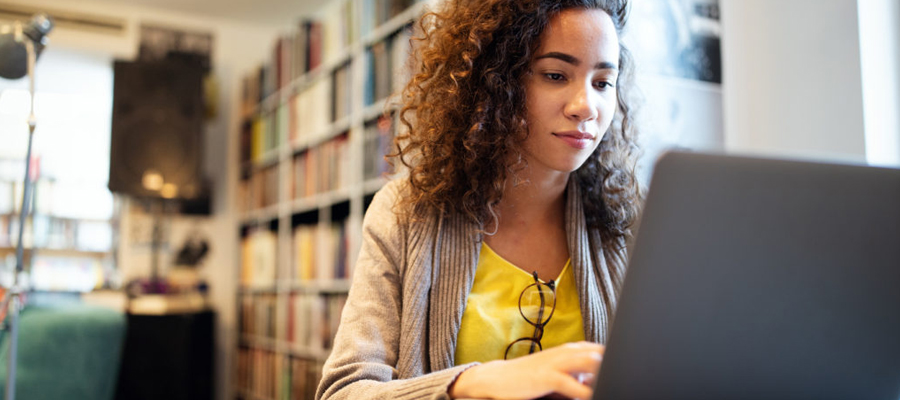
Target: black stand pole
(14, 296)
(15, 292)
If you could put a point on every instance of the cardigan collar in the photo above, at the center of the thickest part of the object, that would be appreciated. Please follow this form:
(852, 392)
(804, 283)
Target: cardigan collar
(455, 257)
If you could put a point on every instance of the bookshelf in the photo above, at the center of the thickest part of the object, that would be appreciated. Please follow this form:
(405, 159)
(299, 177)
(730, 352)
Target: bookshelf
(314, 133)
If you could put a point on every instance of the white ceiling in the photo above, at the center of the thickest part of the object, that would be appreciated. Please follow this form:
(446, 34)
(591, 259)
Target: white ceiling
(275, 12)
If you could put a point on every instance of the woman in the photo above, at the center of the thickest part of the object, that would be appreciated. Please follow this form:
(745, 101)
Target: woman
(507, 237)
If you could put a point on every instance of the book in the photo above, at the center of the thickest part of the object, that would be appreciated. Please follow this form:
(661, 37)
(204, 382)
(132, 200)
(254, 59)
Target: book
(322, 168)
(263, 187)
(282, 125)
(300, 51)
(314, 33)
(377, 85)
(401, 68)
(342, 92)
(304, 251)
(313, 114)
(378, 139)
(258, 261)
(315, 320)
(257, 138)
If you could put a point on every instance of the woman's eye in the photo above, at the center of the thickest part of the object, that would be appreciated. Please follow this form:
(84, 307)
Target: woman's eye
(603, 85)
(554, 76)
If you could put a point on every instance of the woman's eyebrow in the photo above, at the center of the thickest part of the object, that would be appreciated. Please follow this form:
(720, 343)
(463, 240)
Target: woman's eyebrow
(568, 58)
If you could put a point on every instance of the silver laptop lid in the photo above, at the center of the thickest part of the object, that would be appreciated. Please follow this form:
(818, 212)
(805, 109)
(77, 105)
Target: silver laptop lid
(760, 279)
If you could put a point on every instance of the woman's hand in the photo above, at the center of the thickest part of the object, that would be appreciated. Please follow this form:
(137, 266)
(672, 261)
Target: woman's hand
(555, 370)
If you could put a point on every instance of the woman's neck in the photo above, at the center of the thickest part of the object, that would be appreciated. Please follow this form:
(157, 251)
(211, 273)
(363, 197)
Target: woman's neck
(532, 200)
(531, 233)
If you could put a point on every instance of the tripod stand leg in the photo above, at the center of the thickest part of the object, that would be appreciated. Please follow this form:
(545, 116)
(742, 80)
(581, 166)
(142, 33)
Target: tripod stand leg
(13, 314)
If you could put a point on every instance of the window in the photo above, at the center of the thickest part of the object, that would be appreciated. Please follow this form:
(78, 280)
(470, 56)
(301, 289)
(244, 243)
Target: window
(71, 228)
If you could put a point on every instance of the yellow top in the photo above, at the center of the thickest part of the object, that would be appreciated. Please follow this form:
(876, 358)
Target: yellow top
(491, 320)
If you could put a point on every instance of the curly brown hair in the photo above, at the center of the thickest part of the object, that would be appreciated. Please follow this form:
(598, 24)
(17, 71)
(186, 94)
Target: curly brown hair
(464, 114)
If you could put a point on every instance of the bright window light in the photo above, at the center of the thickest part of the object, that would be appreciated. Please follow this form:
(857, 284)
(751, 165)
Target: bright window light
(72, 229)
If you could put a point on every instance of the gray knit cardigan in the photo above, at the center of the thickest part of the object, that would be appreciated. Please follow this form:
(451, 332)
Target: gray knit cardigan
(397, 336)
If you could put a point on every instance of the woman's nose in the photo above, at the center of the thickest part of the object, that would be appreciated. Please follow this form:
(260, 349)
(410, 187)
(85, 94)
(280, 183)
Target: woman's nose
(582, 104)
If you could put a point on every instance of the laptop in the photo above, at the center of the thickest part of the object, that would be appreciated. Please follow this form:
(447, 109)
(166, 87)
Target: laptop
(758, 278)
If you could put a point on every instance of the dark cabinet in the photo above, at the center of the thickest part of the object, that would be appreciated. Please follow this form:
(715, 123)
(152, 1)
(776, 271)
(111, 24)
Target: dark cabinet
(168, 357)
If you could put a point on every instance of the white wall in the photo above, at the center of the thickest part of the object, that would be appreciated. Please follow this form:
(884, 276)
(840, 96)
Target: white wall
(791, 84)
(238, 48)
(879, 39)
(677, 103)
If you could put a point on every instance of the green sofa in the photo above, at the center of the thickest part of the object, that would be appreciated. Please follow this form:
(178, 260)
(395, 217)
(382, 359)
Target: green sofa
(69, 351)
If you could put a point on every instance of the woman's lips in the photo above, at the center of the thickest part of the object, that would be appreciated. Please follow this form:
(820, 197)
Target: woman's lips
(576, 139)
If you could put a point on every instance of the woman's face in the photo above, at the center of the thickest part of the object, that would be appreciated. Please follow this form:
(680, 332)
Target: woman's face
(570, 90)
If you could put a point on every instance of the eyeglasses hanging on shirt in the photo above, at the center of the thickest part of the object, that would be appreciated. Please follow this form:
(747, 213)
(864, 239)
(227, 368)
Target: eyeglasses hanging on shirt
(536, 304)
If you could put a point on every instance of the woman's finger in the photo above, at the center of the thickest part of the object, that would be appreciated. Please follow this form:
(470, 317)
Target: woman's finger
(567, 385)
(582, 362)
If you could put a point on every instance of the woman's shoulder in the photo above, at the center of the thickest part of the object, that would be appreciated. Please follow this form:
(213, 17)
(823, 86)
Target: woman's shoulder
(386, 203)
(389, 195)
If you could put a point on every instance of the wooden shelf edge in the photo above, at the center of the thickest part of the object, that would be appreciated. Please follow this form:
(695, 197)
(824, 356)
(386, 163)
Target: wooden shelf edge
(283, 347)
